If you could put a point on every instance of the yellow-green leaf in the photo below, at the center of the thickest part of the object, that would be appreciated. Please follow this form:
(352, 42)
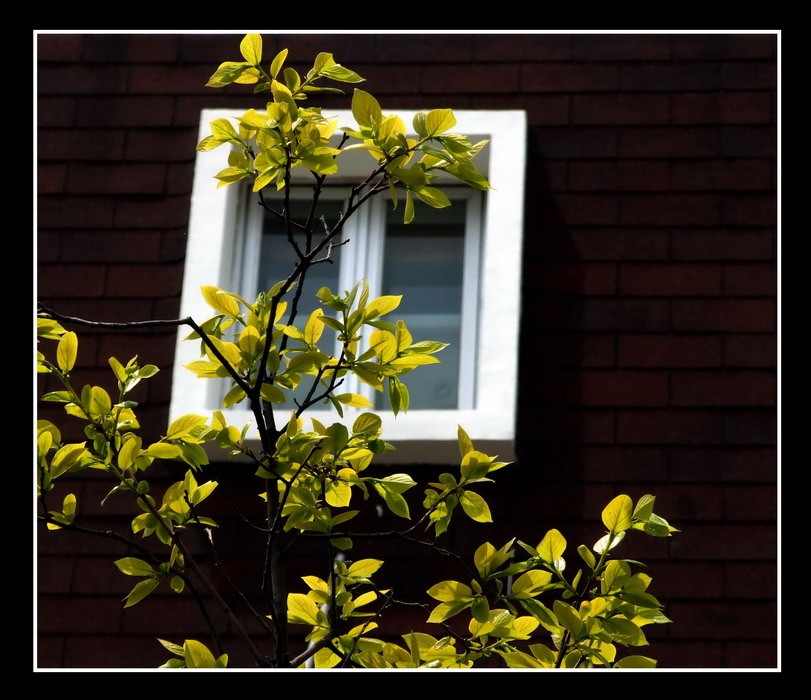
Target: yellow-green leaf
(552, 546)
(301, 610)
(354, 400)
(197, 655)
(381, 306)
(133, 566)
(251, 48)
(438, 121)
(451, 591)
(184, 425)
(364, 567)
(617, 514)
(219, 300)
(66, 351)
(475, 507)
(531, 583)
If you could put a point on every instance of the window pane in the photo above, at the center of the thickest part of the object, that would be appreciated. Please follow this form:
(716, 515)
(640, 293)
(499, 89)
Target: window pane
(277, 259)
(424, 261)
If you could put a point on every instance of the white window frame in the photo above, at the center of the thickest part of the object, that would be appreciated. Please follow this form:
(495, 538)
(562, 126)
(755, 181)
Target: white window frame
(216, 253)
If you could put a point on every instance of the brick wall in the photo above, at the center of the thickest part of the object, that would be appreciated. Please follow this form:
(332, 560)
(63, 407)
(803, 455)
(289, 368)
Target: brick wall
(648, 352)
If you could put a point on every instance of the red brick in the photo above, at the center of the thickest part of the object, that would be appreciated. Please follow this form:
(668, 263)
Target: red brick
(670, 77)
(724, 244)
(623, 388)
(78, 614)
(670, 350)
(750, 280)
(669, 427)
(48, 246)
(568, 77)
(723, 108)
(606, 243)
(702, 46)
(51, 178)
(592, 498)
(543, 110)
(688, 653)
(80, 144)
(114, 652)
(173, 246)
(750, 502)
(385, 79)
(464, 78)
(602, 388)
(54, 575)
(521, 47)
(735, 315)
(756, 580)
(687, 580)
(108, 247)
(749, 141)
(617, 314)
(56, 111)
(751, 655)
(574, 278)
(144, 280)
(152, 348)
(723, 174)
(102, 577)
(131, 48)
(158, 79)
(670, 209)
(568, 426)
(137, 111)
(668, 142)
(724, 464)
(725, 542)
(58, 47)
(587, 209)
(165, 615)
(153, 212)
(750, 209)
(748, 75)
(49, 652)
(440, 48)
(187, 108)
(621, 47)
(750, 427)
(724, 620)
(607, 464)
(571, 142)
(726, 388)
(221, 46)
(82, 79)
(70, 281)
(161, 145)
(572, 350)
(74, 212)
(622, 108)
(748, 350)
(618, 175)
(142, 178)
(653, 279)
(686, 504)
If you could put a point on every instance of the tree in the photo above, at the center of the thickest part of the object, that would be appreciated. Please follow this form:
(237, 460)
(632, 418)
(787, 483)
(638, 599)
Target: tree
(517, 605)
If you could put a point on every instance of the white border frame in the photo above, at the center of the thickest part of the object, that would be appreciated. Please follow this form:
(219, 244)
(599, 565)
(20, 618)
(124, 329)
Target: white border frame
(430, 435)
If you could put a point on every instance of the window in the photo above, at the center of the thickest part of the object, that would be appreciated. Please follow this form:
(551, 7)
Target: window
(458, 269)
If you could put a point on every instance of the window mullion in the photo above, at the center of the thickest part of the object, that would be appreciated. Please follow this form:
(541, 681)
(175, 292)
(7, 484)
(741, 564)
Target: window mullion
(470, 302)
